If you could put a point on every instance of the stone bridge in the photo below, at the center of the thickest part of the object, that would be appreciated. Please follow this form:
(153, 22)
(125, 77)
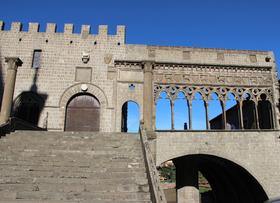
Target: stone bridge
(236, 163)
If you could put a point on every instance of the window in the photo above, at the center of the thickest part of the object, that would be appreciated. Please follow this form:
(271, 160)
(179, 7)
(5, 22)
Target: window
(36, 63)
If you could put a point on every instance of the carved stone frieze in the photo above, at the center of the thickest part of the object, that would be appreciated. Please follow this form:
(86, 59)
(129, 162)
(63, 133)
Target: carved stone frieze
(217, 79)
(206, 92)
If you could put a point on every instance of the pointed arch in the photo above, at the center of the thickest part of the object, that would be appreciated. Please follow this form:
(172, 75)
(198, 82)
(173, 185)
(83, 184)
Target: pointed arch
(265, 114)
(249, 114)
(181, 112)
(198, 112)
(163, 112)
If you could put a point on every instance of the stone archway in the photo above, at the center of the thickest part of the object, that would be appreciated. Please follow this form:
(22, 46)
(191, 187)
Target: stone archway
(82, 113)
(130, 118)
(229, 182)
(91, 89)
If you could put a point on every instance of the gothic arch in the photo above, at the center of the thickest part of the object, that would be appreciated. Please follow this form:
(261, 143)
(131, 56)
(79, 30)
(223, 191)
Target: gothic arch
(76, 89)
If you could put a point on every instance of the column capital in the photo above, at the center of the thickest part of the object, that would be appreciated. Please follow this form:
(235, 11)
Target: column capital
(13, 60)
(148, 66)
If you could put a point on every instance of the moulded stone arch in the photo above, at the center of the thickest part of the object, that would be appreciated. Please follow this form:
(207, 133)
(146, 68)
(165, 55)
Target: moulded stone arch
(246, 168)
(163, 91)
(213, 153)
(268, 96)
(92, 90)
(252, 97)
(76, 89)
(136, 101)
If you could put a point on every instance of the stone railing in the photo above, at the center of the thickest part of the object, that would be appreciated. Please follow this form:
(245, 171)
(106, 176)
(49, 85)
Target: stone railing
(157, 193)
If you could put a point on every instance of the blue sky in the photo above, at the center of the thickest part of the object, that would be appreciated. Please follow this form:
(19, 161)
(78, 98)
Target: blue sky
(234, 24)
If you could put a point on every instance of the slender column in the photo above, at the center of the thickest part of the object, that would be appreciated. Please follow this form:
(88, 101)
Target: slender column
(7, 100)
(148, 95)
(206, 112)
(190, 114)
(240, 113)
(224, 115)
(256, 115)
(272, 119)
(172, 114)
(187, 181)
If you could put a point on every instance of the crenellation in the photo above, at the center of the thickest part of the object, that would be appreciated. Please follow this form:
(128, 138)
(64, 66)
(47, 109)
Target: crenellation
(51, 28)
(68, 28)
(85, 31)
(33, 27)
(121, 32)
(103, 30)
(16, 27)
(1, 25)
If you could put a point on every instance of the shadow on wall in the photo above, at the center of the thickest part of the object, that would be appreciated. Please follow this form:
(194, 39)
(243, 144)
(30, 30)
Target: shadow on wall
(1, 78)
(28, 105)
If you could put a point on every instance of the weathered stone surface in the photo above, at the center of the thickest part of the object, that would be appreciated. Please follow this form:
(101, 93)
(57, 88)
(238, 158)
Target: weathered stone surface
(72, 167)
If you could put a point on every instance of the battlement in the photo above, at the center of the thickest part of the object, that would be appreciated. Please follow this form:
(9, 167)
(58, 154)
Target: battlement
(68, 29)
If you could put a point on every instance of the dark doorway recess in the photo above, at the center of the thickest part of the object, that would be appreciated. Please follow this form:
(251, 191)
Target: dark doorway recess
(82, 113)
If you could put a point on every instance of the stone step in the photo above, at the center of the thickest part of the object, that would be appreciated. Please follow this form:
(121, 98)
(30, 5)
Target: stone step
(37, 195)
(80, 201)
(75, 163)
(72, 174)
(72, 167)
(77, 187)
(54, 180)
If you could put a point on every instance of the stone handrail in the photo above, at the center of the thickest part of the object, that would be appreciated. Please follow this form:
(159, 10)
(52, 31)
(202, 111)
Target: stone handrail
(157, 193)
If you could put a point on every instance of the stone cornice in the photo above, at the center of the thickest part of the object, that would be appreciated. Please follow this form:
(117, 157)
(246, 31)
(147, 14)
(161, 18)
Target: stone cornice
(183, 66)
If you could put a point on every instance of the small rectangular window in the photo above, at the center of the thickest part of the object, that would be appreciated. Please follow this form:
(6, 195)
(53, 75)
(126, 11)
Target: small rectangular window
(36, 63)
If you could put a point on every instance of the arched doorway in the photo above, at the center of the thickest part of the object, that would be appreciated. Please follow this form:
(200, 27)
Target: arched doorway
(82, 113)
(130, 117)
(28, 106)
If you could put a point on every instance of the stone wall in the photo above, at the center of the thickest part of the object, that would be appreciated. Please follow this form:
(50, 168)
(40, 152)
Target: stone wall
(61, 55)
(257, 152)
(114, 65)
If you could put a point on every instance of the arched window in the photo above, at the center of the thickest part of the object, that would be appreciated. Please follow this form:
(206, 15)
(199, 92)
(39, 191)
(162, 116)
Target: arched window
(163, 112)
(232, 112)
(249, 112)
(215, 112)
(198, 112)
(265, 113)
(181, 112)
(130, 117)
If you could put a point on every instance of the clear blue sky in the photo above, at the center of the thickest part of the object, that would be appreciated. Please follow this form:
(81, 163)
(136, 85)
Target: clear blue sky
(234, 24)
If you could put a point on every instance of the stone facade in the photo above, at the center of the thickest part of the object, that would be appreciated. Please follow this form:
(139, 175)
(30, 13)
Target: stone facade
(256, 152)
(113, 65)
(113, 72)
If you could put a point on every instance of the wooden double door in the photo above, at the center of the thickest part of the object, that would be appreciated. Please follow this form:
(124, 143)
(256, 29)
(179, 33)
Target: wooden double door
(83, 113)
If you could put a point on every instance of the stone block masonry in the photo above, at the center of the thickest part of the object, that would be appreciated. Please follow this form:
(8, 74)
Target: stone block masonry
(113, 65)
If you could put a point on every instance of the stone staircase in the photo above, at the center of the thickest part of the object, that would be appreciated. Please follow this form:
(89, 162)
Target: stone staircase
(67, 167)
